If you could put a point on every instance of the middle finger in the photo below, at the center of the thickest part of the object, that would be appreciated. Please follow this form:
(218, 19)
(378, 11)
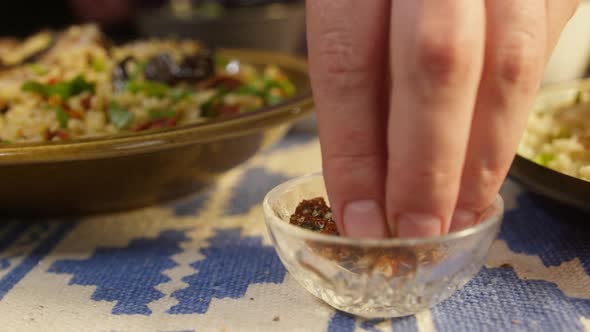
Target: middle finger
(437, 51)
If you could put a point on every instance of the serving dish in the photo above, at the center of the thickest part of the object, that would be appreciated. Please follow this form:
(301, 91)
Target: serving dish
(543, 180)
(375, 278)
(99, 175)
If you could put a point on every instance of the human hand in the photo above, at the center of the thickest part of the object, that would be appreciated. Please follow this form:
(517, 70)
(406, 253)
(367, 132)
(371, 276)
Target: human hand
(421, 104)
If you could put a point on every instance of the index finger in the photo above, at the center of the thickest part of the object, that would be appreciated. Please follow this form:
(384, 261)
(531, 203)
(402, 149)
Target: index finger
(348, 62)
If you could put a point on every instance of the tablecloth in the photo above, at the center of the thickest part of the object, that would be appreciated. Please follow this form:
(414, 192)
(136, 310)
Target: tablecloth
(205, 263)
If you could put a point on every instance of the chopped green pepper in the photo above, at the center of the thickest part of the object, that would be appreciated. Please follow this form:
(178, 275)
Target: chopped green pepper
(119, 116)
(63, 89)
(79, 85)
(273, 99)
(208, 107)
(62, 117)
(179, 95)
(38, 69)
(544, 158)
(249, 90)
(98, 65)
(137, 70)
(150, 89)
(287, 87)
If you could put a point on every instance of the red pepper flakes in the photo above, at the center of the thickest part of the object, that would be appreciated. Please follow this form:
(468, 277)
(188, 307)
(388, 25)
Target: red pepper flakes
(315, 215)
(157, 124)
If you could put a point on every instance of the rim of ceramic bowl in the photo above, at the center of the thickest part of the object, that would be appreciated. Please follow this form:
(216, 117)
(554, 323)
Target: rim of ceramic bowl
(274, 221)
(154, 140)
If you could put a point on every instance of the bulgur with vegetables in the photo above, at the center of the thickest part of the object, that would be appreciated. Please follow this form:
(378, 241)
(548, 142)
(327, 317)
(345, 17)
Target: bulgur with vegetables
(72, 84)
(560, 139)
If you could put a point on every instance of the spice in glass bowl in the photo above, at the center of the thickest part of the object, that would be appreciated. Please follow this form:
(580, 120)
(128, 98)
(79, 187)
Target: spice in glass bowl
(315, 215)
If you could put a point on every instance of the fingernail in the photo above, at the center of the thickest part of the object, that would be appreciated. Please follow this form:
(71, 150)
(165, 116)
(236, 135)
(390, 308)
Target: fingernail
(462, 219)
(418, 225)
(364, 219)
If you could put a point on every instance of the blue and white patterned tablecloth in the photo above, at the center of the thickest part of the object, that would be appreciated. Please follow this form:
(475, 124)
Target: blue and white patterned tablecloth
(205, 264)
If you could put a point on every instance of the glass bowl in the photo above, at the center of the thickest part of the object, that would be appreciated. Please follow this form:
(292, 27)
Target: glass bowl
(375, 278)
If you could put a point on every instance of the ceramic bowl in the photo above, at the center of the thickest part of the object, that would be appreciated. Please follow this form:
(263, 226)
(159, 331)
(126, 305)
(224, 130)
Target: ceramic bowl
(134, 170)
(545, 181)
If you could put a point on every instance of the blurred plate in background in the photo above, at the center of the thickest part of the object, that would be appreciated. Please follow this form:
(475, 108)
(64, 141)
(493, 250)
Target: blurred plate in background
(277, 26)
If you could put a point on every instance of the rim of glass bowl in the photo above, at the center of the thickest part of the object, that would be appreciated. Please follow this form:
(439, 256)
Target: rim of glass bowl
(272, 218)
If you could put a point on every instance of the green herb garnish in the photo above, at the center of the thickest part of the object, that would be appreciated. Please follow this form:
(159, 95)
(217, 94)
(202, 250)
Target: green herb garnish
(119, 116)
(544, 159)
(150, 89)
(179, 95)
(79, 85)
(137, 70)
(98, 65)
(249, 90)
(287, 87)
(273, 99)
(64, 90)
(208, 108)
(62, 117)
(38, 69)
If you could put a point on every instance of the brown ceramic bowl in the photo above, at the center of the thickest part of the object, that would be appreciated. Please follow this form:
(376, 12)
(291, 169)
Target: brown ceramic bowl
(133, 170)
(546, 181)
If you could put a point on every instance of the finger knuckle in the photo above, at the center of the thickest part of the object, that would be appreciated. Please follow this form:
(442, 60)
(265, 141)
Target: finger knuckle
(517, 61)
(354, 152)
(480, 185)
(421, 176)
(442, 59)
(344, 66)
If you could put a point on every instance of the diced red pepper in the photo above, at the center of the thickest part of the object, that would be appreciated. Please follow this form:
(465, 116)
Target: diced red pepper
(86, 102)
(63, 135)
(74, 114)
(157, 124)
(49, 136)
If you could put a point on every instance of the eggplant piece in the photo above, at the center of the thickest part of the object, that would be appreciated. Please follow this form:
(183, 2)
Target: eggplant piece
(196, 68)
(120, 74)
(161, 68)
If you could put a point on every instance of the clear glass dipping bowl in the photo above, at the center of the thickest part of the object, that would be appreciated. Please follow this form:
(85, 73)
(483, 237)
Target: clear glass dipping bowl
(369, 277)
